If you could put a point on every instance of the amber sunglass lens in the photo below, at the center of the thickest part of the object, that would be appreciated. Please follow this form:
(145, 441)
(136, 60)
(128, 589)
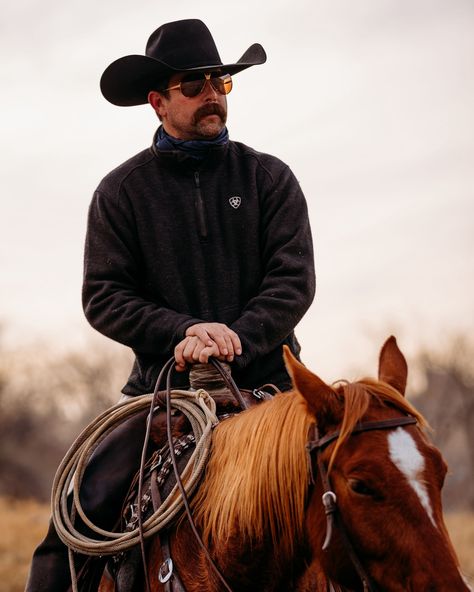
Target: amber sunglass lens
(222, 84)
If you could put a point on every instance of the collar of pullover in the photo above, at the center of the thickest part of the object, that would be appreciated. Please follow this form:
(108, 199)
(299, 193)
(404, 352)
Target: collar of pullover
(196, 149)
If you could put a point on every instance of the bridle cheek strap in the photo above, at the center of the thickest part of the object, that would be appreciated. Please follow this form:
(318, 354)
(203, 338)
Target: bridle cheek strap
(329, 498)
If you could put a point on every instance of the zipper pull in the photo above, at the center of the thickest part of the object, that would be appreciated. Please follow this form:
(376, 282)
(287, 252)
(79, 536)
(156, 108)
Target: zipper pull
(199, 205)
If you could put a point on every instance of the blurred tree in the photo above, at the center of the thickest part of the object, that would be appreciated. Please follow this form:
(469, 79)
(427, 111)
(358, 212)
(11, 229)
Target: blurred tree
(447, 401)
(45, 400)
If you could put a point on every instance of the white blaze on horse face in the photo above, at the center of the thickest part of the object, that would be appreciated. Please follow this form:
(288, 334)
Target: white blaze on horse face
(409, 460)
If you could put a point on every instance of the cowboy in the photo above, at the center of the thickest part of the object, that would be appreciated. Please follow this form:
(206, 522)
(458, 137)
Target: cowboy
(198, 246)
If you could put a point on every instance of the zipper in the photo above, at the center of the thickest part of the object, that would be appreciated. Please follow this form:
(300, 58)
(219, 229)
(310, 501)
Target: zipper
(199, 206)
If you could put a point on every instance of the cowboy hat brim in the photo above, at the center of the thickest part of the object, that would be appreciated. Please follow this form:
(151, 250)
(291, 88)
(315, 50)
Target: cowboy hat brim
(128, 80)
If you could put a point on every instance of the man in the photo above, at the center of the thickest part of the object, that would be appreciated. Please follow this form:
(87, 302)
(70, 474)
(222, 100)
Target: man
(198, 246)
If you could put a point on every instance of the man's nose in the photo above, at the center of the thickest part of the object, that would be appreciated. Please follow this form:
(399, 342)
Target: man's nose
(209, 91)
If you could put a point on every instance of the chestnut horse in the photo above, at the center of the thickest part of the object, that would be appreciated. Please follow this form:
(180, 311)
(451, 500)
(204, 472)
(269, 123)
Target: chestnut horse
(260, 508)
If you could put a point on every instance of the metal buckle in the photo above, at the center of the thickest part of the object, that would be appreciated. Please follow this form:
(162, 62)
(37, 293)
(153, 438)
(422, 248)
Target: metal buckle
(258, 393)
(329, 501)
(166, 570)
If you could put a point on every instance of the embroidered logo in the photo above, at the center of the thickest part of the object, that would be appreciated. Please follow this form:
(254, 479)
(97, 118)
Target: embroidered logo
(235, 201)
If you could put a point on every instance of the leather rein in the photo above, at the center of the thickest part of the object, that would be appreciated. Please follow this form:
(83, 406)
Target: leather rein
(333, 517)
(166, 575)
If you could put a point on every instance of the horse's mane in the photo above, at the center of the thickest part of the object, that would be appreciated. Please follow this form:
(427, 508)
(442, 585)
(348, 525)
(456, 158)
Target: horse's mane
(257, 478)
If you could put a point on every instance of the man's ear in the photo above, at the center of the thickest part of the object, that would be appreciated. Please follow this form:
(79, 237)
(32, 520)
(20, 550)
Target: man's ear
(157, 101)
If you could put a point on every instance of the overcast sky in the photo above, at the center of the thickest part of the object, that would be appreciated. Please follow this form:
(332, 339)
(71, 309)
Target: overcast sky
(369, 101)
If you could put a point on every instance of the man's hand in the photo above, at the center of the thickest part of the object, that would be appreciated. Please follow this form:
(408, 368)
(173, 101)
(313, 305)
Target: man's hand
(218, 334)
(204, 340)
(191, 350)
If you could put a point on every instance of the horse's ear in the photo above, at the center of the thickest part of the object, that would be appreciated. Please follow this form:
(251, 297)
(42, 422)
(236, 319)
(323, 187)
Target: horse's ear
(320, 397)
(393, 367)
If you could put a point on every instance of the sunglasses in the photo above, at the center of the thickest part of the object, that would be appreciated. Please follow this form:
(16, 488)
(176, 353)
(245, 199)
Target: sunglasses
(193, 84)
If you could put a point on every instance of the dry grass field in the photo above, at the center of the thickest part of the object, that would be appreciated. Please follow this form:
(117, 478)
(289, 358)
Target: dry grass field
(23, 524)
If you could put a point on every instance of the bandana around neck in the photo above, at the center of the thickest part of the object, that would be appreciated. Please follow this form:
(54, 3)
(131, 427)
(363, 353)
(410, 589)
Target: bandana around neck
(195, 148)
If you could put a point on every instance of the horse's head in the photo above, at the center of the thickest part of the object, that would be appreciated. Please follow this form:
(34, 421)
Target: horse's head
(387, 483)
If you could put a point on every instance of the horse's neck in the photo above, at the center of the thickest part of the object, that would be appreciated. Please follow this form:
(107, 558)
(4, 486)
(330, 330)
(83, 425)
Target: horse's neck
(244, 568)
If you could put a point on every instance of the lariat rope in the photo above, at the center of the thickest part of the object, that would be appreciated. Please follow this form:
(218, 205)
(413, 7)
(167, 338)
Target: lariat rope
(199, 408)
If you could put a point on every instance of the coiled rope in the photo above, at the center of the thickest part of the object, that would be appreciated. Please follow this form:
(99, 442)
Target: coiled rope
(199, 408)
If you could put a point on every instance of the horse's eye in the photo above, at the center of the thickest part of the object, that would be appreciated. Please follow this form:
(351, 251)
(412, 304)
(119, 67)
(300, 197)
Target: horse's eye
(360, 487)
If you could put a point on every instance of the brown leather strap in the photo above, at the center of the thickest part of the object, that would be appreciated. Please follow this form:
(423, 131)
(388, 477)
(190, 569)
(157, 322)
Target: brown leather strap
(366, 426)
(174, 584)
(229, 381)
(163, 535)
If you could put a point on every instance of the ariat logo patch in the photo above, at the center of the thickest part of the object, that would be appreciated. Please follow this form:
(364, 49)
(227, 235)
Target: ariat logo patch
(235, 201)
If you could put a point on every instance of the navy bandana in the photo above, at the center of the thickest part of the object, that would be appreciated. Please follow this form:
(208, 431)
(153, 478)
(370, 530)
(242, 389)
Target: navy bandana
(195, 148)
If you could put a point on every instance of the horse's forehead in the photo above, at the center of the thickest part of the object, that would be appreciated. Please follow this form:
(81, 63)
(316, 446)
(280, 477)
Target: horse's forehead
(409, 460)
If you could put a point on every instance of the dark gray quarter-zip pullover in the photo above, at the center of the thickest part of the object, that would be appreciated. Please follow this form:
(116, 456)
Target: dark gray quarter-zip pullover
(172, 241)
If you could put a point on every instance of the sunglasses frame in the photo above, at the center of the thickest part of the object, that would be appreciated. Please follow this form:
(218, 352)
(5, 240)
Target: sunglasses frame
(207, 78)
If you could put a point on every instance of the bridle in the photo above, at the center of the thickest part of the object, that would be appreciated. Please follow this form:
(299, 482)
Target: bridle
(316, 445)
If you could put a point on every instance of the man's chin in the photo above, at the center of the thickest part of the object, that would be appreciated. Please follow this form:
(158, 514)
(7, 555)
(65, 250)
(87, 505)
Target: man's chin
(210, 126)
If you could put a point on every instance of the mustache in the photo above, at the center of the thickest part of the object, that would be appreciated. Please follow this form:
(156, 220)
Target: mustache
(210, 109)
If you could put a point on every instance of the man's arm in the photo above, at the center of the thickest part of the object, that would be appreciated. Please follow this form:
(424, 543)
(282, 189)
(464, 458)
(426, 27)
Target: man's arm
(113, 284)
(288, 283)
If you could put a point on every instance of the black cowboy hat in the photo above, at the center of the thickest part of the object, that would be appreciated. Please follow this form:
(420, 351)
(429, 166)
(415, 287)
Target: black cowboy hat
(180, 46)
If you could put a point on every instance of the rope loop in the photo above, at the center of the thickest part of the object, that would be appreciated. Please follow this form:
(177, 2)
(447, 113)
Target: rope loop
(199, 408)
